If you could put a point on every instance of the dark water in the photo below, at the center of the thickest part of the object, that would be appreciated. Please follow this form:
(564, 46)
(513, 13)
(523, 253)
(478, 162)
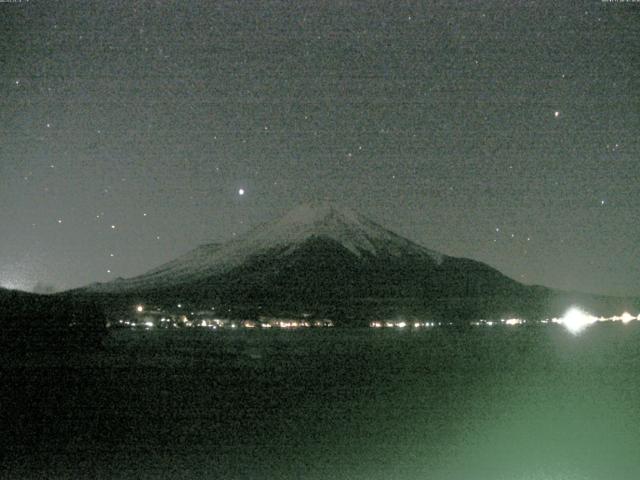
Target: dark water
(503, 403)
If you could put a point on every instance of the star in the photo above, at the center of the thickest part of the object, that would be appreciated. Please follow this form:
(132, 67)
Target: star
(241, 191)
(556, 114)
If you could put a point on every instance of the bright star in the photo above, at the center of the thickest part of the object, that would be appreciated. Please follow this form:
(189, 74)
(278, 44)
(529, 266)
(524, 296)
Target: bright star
(241, 191)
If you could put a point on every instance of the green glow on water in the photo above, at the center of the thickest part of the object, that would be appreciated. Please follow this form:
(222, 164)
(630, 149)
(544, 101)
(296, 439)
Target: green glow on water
(486, 404)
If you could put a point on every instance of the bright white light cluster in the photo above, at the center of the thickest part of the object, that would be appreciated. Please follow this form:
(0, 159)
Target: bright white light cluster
(575, 320)
(401, 324)
(514, 321)
(502, 321)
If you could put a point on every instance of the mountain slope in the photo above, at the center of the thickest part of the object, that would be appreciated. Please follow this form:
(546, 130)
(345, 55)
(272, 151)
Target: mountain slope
(327, 261)
(30, 321)
(351, 231)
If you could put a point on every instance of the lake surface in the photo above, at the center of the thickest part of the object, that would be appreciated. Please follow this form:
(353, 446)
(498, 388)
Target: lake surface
(530, 403)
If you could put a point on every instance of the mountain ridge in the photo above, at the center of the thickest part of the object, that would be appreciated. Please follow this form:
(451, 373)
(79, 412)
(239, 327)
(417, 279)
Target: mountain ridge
(331, 262)
(323, 219)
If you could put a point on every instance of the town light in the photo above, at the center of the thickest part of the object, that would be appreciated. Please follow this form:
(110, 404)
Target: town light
(575, 320)
(626, 317)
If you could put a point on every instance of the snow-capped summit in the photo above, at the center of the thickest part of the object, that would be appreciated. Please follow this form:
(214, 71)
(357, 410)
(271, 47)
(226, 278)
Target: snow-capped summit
(327, 220)
(318, 220)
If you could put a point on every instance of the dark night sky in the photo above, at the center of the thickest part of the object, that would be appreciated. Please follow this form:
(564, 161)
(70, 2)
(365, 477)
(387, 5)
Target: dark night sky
(505, 131)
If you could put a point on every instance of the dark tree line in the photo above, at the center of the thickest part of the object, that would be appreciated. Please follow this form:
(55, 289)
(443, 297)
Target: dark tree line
(31, 322)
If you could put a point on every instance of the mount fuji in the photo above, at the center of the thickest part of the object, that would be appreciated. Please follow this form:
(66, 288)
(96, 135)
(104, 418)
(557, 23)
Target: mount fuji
(329, 261)
(320, 223)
